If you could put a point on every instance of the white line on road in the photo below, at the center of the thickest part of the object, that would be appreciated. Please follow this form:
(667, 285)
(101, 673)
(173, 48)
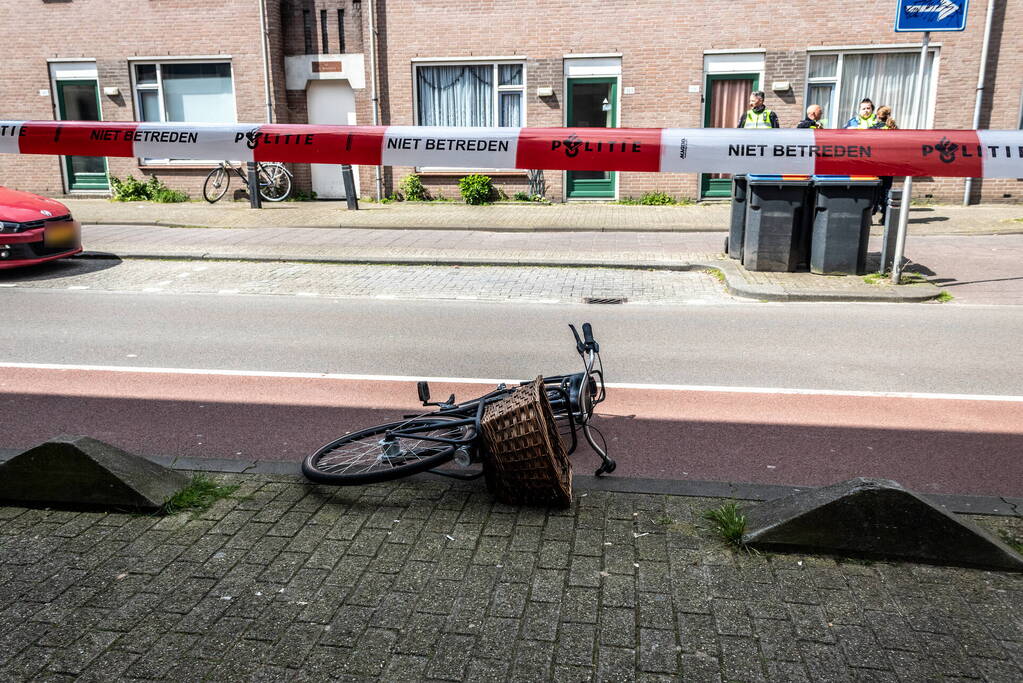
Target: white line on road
(480, 380)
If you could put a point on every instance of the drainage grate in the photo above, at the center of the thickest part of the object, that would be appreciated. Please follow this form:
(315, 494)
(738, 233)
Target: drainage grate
(605, 300)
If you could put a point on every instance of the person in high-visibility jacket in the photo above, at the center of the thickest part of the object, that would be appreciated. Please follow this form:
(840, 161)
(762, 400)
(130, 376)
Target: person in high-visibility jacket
(866, 118)
(758, 115)
(813, 117)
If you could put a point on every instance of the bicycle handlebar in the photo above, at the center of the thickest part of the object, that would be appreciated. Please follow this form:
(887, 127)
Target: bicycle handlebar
(587, 343)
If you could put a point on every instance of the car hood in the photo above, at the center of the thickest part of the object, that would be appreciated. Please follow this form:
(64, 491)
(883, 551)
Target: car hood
(23, 207)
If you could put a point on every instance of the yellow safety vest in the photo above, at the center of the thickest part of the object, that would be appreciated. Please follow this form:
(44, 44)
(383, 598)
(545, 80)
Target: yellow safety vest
(761, 120)
(868, 122)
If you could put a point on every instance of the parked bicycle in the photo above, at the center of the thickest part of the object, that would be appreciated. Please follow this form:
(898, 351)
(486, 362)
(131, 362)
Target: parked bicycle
(424, 442)
(274, 180)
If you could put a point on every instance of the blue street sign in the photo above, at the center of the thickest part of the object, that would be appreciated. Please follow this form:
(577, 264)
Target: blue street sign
(931, 15)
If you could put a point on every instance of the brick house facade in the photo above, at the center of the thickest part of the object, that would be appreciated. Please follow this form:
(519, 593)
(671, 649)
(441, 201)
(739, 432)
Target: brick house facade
(652, 63)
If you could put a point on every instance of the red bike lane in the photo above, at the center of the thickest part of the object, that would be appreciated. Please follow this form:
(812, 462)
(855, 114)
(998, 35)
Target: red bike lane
(933, 445)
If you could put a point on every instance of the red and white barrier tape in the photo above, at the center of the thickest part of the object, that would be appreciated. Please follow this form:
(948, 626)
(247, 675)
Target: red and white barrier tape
(943, 153)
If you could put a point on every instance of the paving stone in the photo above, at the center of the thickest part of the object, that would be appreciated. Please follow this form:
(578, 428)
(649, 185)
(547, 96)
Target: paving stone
(541, 621)
(451, 658)
(741, 659)
(575, 645)
(701, 667)
(224, 599)
(658, 651)
(487, 670)
(580, 605)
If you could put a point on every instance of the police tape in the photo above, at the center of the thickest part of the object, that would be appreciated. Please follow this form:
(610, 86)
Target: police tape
(940, 153)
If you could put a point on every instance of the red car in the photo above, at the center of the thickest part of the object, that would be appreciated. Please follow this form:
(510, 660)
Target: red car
(34, 229)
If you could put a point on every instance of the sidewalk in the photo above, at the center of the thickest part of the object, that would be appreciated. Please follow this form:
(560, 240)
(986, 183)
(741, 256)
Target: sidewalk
(429, 580)
(515, 217)
(606, 235)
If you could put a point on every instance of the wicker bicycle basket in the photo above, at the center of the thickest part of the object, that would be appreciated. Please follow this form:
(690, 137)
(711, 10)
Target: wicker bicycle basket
(525, 460)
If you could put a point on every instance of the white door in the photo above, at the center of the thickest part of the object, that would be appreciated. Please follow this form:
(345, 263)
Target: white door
(331, 102)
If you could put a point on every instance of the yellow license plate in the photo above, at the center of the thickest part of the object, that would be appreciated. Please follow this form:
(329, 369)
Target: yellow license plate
(60, 235)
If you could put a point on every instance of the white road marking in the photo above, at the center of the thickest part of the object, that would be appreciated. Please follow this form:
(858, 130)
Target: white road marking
(78, 287)
(228, 291)
(480, 380)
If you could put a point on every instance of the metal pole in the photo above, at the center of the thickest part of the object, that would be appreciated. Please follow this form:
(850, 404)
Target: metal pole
(255, 201)
(350, 194)
(980, 86)
(263, 38)
(374, 96)
(907, 187)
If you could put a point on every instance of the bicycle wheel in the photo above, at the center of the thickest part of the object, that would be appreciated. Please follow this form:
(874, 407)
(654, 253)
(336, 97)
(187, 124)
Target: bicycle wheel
(216, 184)
(368, 456)
(274, 182)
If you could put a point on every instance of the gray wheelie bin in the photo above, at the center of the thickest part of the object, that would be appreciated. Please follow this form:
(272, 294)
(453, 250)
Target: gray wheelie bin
(737, 228)
(776, 222)
(841, 224)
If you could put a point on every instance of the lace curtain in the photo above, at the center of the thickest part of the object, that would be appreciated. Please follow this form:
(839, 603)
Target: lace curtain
(887, 79)
(456, 95)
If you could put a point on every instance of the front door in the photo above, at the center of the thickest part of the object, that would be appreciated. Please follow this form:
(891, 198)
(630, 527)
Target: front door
(330, 102)
(726, 98)
(78, 100)
(592, 103)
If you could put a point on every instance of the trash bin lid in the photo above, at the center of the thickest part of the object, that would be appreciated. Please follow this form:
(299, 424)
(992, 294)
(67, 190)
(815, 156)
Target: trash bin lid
(797, 180)
(846, 180)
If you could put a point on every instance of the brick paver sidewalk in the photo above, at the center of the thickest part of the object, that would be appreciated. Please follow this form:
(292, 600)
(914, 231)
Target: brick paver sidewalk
(424, 580)
(595, 217)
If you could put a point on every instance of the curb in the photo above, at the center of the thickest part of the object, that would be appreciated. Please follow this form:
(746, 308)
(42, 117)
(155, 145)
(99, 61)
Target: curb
(734, 283)
(960, 504)
(416, 228)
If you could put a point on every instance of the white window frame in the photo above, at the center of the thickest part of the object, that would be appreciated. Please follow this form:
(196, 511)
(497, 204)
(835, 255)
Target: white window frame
(495, 62)
(158, 88)
(836, 81)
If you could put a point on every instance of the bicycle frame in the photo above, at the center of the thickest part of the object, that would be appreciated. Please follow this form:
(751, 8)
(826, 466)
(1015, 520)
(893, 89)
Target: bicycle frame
(572, 397)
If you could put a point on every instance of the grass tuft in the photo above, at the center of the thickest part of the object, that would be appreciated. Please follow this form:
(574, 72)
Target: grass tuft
(716, 274)
(200, 494)
(1014, 542)
(728, 523)
(944, 297)
(664, 520)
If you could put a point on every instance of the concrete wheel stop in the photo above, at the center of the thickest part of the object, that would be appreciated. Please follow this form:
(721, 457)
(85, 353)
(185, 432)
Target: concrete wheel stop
(875, 517)
(78, 471)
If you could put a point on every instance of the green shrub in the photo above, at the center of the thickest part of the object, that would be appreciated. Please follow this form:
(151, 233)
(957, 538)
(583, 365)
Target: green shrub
(128, 190)
(657, 199)
(412, 187)
(476, 189)
(522, 197)
(132, 190)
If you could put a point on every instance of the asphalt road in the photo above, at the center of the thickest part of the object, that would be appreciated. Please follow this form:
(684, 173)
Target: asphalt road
(815, 435)
(859, 347)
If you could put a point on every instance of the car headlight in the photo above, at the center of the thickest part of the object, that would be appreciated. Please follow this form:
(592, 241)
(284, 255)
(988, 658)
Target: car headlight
(7, 226)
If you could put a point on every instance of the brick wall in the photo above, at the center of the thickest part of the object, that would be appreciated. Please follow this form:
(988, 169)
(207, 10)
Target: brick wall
(662, 47)
(661, 42)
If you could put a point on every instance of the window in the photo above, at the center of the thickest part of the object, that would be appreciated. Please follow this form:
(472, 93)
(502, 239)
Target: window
(838, 81)
(341, 30)
(196, 92)
(470, 94)
(323, 31)
(185, 91)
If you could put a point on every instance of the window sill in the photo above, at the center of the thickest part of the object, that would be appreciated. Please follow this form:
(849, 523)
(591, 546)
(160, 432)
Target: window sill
(435, 173)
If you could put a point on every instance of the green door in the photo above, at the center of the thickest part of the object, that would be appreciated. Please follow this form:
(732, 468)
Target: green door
(726, 97)
(78, 100)
(591, 103)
